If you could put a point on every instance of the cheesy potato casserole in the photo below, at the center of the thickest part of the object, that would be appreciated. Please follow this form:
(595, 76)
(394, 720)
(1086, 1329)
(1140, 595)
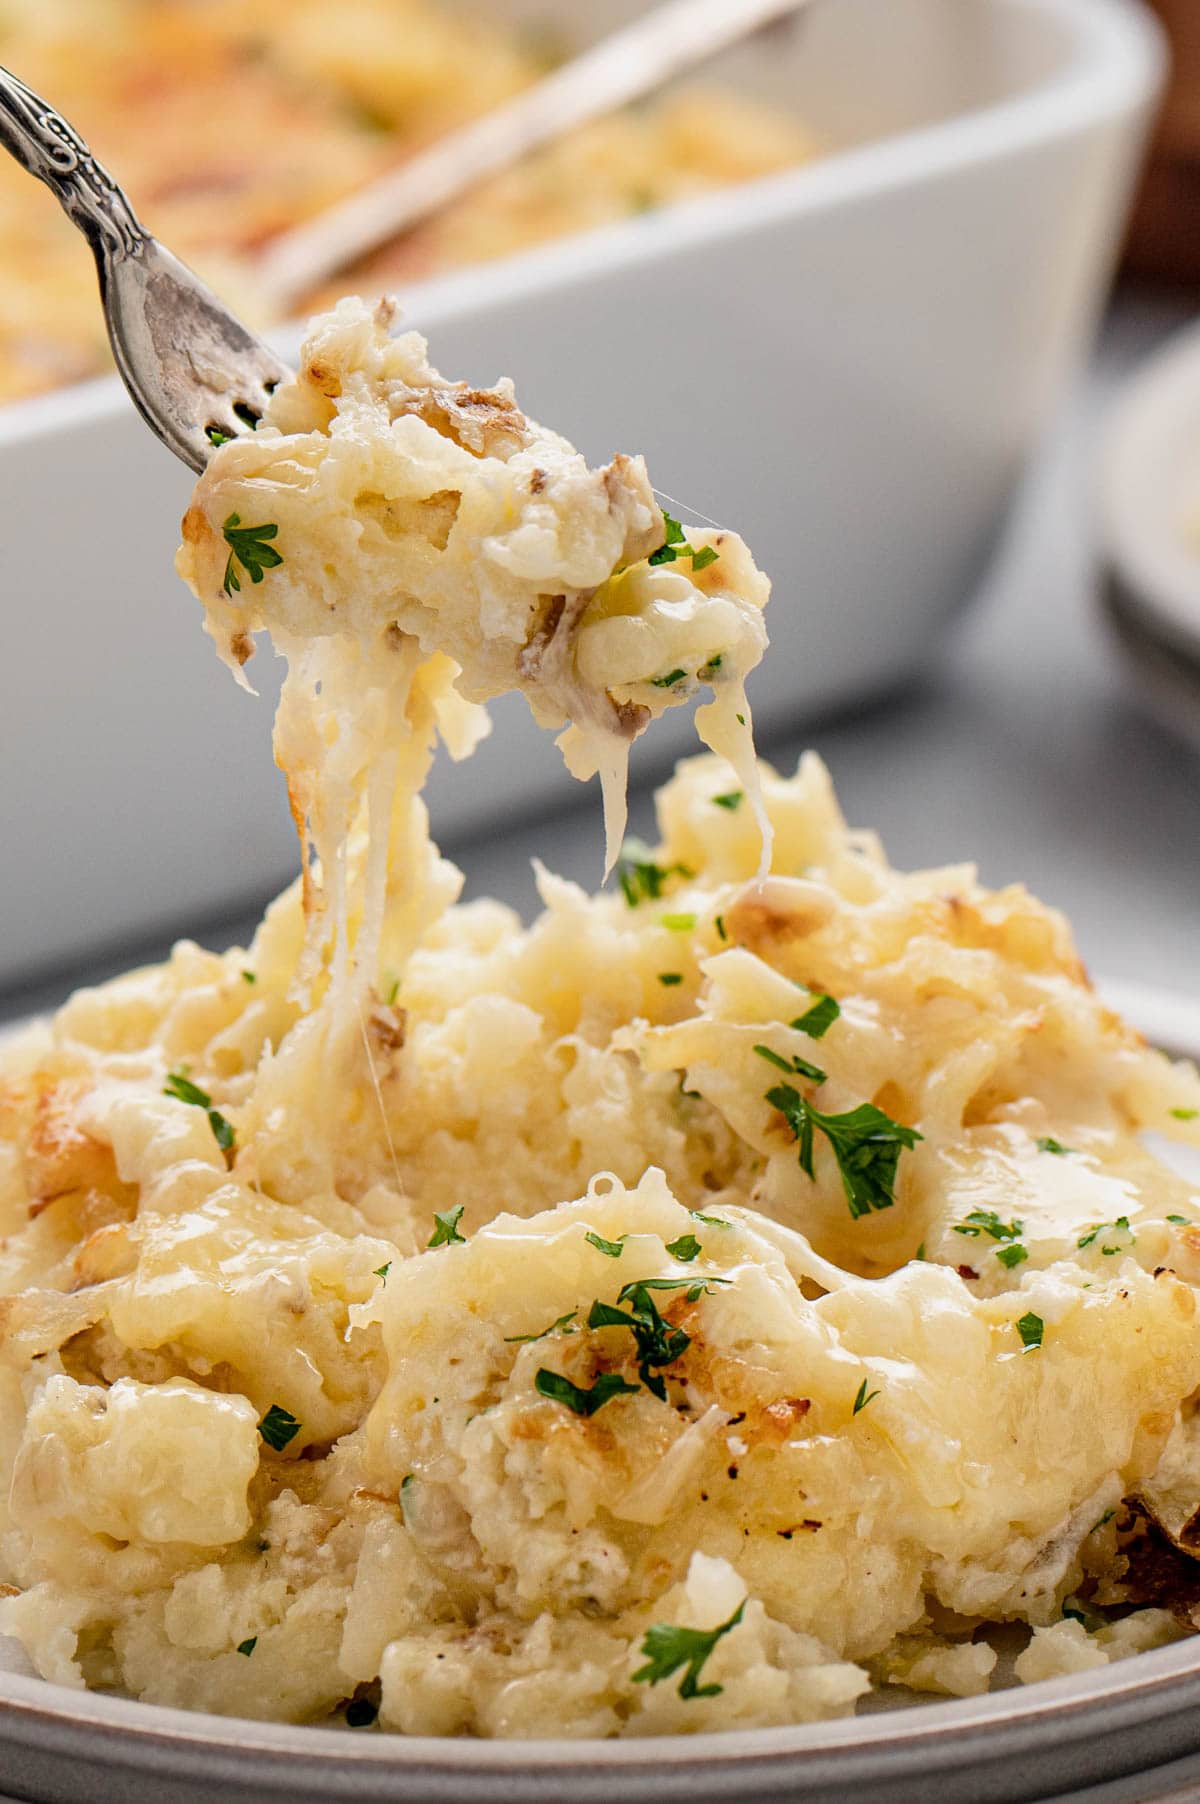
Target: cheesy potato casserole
(229, 123)
(745, 1287)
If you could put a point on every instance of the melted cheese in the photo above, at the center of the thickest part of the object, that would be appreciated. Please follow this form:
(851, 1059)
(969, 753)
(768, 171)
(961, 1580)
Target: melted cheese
(330, 1394)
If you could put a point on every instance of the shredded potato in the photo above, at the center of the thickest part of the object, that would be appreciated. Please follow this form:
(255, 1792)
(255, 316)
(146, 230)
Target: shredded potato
(724, 1296)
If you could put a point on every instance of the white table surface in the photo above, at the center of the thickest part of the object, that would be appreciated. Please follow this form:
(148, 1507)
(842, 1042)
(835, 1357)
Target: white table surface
(1023, 746)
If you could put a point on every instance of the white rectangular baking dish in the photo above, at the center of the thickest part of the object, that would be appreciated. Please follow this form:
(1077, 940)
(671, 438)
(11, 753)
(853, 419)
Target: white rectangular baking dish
(850, 362)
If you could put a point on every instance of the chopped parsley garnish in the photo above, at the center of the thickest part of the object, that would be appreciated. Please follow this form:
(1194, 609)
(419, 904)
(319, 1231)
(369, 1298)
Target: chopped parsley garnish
(710, 1221)
(675, 546)
(180, 1086)
(920, 1252)
(278, 1427)
(1185, 1114)
(249, 977)
(865, 1142)
(817, 1020)
(640, 878)
(248, 1646)
(685, 1249)
(670, 978)
(863, 1398)
(1103, 1522)
(669, 681)
(656, 1341)
(445, 1231)
(1120, 1226)
(612, 1249)
(361, 1713)
(584, 1403)
(731, 800)
(714, 664)
(215, 436)
(986, 1221)
(1073, 1613)
(1031, 1328)
(1181, 1221)
(719, 924)
(1011, 1255)
(222, 1129)
(668, 1648)
(792, 1066)
(741, 720)
(1048, 1144)
(519, 1339)
(694, 1288)
(250, 547)
(678, 923)
(381, 1271)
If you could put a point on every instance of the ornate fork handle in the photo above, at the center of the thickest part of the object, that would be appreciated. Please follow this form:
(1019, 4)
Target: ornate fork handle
(49, 148)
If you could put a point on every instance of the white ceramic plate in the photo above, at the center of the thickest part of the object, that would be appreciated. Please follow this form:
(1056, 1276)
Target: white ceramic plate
(1127, 1734)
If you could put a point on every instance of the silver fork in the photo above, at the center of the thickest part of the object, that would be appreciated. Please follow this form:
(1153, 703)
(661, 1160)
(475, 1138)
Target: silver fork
(196, 375)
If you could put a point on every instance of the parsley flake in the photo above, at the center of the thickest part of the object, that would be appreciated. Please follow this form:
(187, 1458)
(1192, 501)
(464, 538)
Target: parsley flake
(222, 1129)
(731, 800)
(1031, 1328)
(675, 546)
(445, 1232)
(719, 924)
(641, 879)
(520, 1339)
(249, 977)
(248, 1646)
(669, 681)
(678, 923)
(986, 1221)
(792, 1066)
(612, 1249)
(817, 1020)
(694, 1288)
(863, 1398)
(1185, 1114)
(685, 1249)
(584, 1402)
(1181, 1221)
(710, 669)
(1011, 1255)
(381, 1271)
(180, 1086)
(670, 978)
(250, 547)
(710, 1221)
(1120, 1226)
(278, 1427)
(657, 1343)
(1048, 1144)
(215, 436)
(667, 1648)
(865, 1142)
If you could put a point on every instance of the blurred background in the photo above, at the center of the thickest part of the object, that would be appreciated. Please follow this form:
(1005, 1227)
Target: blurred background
(889, 288)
